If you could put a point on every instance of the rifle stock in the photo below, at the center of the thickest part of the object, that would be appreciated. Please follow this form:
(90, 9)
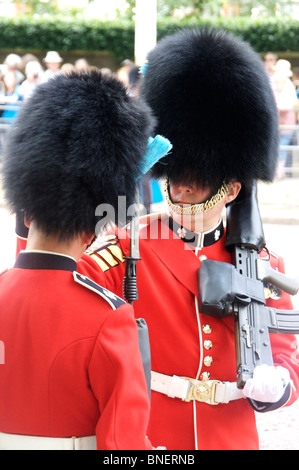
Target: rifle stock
(286, 283)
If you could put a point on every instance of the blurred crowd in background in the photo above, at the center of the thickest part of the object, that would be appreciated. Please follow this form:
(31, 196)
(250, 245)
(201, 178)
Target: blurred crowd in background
(20, 75)
(285, 85)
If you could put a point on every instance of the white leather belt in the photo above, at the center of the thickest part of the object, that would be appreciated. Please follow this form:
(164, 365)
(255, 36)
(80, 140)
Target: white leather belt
(24, 442)
(212, 392)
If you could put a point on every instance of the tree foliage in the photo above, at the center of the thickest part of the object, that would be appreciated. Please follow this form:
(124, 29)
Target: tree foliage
(117, 37)
(215, 8)
(170, 8)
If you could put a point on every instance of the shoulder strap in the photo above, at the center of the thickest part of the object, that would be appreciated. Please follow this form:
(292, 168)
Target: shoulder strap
(113, 300)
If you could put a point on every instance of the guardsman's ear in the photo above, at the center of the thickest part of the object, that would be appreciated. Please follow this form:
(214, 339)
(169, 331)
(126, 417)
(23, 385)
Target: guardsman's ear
(233, 191)
(27, 220)
(88, 239)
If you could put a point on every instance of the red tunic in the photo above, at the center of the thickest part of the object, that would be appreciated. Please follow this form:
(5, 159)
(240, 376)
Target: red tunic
(167, 286)
(72, 363)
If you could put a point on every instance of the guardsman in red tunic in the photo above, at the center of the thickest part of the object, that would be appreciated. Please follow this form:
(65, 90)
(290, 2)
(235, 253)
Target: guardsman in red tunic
(73, 376)
(213, 101)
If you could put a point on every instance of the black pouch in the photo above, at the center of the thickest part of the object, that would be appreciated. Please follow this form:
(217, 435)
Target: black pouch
(220, 285)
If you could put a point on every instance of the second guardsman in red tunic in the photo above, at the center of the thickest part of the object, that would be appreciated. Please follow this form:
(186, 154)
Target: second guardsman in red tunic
(73, 376)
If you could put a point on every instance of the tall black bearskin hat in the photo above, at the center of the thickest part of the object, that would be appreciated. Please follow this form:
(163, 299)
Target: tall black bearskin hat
(77, 143)
(213, 101)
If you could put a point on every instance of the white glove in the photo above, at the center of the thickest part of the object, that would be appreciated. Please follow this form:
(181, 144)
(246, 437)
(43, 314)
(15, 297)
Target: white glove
(268, 384)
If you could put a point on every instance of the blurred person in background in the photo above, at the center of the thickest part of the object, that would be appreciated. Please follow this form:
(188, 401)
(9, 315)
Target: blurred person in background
(67, 68)
(29, 58)
(270, 60)
(295, 79)
(134, 76)
(81, 65)
(286, 100)
(11, 96)
(14, 64)
(53, 63)
(106, 71)
(122, 73)
(2, 73)
(33, 72)
(2, 92)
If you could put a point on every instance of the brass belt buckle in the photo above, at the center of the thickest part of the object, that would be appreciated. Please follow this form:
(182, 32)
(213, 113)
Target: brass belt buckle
(202, 391)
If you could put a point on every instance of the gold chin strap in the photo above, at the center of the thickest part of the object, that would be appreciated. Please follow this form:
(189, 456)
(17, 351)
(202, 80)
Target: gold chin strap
(196, 208)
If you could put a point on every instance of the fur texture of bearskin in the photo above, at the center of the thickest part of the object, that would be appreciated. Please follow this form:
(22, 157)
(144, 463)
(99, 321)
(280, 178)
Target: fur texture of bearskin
(77, 143)
(212, 98)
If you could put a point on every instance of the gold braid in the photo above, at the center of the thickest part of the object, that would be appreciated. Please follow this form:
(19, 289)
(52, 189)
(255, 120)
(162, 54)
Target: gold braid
(196, 208)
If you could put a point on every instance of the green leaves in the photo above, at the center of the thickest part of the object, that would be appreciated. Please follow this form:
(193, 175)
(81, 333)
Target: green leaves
(56, 33)
(117, 37)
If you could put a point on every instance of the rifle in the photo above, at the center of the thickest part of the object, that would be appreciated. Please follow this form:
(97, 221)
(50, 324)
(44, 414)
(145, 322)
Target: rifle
(240, 288)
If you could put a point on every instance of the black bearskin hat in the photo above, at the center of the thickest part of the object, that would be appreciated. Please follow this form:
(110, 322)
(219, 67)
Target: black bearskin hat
(213, 100)
(77, 143)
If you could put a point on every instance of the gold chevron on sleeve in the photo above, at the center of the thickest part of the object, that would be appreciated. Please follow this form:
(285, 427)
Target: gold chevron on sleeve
(117, 253)
(107, 256)
(104, 267)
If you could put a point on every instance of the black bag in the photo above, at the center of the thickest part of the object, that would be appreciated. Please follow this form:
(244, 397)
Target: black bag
(221, 285)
